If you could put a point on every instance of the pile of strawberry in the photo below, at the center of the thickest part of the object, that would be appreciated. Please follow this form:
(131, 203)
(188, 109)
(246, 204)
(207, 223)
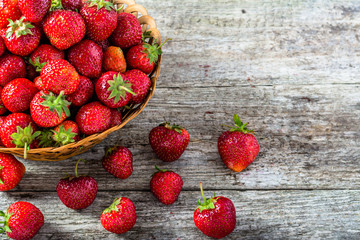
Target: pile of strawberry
(68, 69)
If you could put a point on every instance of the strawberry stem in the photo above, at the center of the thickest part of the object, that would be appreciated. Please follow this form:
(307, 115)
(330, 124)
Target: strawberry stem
(76, 166)
(168, 39)
(239, 126)
(202, 192)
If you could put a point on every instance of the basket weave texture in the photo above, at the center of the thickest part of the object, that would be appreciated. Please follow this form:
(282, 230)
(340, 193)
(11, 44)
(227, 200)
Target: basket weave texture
(73, 149)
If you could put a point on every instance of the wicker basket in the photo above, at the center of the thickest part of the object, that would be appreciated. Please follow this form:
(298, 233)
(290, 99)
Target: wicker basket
(73, 149)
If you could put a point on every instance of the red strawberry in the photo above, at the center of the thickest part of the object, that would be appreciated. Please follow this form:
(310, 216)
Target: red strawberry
(18, 94)
(128, 32)
(49, 110)
(2, 46)
(22, 221)
(65, 133)
(116, 118)
(34, 10)
(2, 106)
(100, 18)
(118, 162)
(215, 217)
(31, 72)
(140, 84)
(120, 217)
(38, 83)
(166, 186)
(114, 60)
(11, 67)
(83, 93)
(2, 118)
(64, 28)
(77, 192)
(11, 172)
(238, 147)
(22, 37)
(72, 5)
(104, 44)
(169, 141)
(93, 118)
(113, 90)
(43, 54)
(86, 57)
(9, 9)
(59, 75)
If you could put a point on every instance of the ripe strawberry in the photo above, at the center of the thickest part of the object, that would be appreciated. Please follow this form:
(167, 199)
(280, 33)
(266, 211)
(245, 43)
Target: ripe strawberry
(11, 67)
(100, 18)
(59, 75)
(11, 172)
(38, 83)
(113, 90)
(104, 44)
(120, 217)
(116, 118)
(43, 54)
(65, 133)
(93, 118)
(2, 118)
(128, 32)
(9, 9)
(18, 94)
(21, 37)
(166, 186)
(22, 221)
(34, 10)
(86, 57)
(2, 46)
(140, 84)
(169, 141)
(2, 106)
(114, 60)
(118, 162)
(77, 192)
(83, 93)
(49, 110)
(72, 5)
(64, 28)
(31, 72)
(238, 147)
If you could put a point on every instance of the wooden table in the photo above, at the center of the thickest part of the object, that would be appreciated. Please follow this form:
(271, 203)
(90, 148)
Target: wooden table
(290, 68)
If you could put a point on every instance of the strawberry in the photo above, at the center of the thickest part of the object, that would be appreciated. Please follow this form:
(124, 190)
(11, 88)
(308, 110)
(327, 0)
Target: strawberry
(2, 118)
(64, 28)
(31, 72)
(86, 57)
(34, 10)
(116, 118)
(215, 217)
(238, 147)
(22, 37)
(140, 84)
(77, 192)
(65, 133)
(169, 141)
(48, 109)
(38, 83)
(118, 161)
(93, 118)
(114, 60)
(104, 44)
(43, 54)
(23, 220)
(11, 172)
(128, 32)
(2, 106)
(120, 217)
(83, 93)
(9, 9)
(72, 5)
(11, 67)
(113, 90)
(59, 75)
(18, 94)
(2, 46)
(166, 186)
(100, 18)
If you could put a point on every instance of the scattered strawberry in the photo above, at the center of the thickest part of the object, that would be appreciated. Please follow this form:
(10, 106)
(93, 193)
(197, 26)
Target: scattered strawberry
(118, 161)
(64, 28)
(100, 18)
(86, 57)
(104, 44)
(9, 9)
(38, 83)
(48, 109)
(73, 5)
(215, 217)
(238, 147)
(114, 60)
(43, 54)
(113, 90)
(116, 117)
(93, 118)
(2, 46)
(128, 32)
(77, 192)
(83, 93)
(140, 84)
(65, 133)
(166, 186)
(169, 141)
(17, 94)
(11, 67)
(34, 10)
(11, 172)
(59, 75)
(2, 106)
(120, 217)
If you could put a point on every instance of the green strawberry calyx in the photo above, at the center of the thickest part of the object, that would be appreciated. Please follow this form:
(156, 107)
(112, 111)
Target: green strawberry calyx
(239, 126)
(55, 5)
(119, 88)
(46, 139)
(56, 103)
(63, 137)
(1, 182)
(24, 137)
(175, 127)
(208, 204)
(37, 64)
(153, 51)
(108, 5)
(19, 27)
(161, 170)
(5, 228)
(113, 206)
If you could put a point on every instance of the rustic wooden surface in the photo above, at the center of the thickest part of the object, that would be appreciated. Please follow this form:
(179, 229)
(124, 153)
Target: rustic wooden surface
(289, 67)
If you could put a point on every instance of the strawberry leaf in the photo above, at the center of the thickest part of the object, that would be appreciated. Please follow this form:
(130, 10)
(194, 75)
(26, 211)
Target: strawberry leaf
(113, 206)
(179, 129)
(63, 137)
(56, 103)
(19, 28)
(239, 126)
(119, 88)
